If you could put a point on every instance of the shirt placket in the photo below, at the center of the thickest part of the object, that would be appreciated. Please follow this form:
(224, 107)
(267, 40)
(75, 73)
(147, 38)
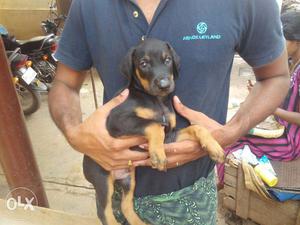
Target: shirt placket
(140, 20)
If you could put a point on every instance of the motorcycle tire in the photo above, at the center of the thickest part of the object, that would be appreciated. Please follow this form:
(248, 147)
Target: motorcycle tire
(32, 98)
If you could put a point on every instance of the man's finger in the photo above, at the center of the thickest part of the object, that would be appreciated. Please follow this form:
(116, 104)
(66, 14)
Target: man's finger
(144, 146)
(115, 101)
(250, 83)
(184, 110)
(146, 162)
(195, 117)
(128, 154)
(127, 142)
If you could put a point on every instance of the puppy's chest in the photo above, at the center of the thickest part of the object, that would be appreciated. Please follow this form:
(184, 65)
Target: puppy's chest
(158, 113)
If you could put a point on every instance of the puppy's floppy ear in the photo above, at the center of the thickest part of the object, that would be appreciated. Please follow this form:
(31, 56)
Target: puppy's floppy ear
(127, 67)
(176, 61)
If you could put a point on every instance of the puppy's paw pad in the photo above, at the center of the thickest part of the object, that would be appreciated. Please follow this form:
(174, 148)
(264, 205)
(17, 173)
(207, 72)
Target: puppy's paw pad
(158, 162)
(162, 166)
(217, 156)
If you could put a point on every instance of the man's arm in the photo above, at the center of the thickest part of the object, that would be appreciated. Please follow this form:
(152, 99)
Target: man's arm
(290, 117)
(266, 95)
(64, 100)
(89, 137)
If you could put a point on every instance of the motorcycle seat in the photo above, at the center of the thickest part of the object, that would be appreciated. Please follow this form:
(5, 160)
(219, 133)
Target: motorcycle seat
(35, 39)
(39, 38)
(35, 44)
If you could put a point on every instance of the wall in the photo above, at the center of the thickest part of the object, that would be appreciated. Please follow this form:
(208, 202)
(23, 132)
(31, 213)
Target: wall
(22, 18)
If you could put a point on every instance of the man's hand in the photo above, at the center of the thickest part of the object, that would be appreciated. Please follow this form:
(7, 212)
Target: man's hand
(250, 85)
(92, 138)
(179, 153)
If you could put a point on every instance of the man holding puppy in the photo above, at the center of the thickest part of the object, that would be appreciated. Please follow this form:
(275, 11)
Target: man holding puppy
(206, 35)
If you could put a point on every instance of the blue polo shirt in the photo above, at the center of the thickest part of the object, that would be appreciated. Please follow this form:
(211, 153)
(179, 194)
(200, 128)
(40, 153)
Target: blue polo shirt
(205, 34)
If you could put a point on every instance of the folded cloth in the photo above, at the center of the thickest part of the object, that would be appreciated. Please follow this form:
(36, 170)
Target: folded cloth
(282, 195)
(192, 205)
(253, 182)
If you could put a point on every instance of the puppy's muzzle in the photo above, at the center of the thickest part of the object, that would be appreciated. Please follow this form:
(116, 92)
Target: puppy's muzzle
(163, 83)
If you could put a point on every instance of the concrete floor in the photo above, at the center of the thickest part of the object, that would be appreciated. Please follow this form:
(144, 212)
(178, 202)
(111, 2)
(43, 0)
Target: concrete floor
(60, 166)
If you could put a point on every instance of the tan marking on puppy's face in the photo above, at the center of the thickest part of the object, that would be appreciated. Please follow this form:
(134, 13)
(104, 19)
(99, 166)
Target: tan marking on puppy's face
(144, 113)
(144, 82)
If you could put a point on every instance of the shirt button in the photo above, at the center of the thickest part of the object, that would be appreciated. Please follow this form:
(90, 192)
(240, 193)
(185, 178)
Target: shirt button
(135, 14)
(143, 38)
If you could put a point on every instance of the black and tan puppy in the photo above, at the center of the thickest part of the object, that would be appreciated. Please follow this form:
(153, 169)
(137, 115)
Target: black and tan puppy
(151, 68)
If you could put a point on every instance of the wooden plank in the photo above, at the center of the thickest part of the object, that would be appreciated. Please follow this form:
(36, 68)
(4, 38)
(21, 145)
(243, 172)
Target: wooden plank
(264, 217)
(298, 216)
(242, 195)
(231, 170)
(229, 203)
(249, 222)
(230, 191)
(289, 207)
(39, 216)
(230, 180)
(268, 212)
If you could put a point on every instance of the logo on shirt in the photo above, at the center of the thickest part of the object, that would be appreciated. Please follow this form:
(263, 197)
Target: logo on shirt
(202, 28)
(203, 34)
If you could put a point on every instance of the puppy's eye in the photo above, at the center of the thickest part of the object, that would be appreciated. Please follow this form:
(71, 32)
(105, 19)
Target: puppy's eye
(143, 64)
(168, 60)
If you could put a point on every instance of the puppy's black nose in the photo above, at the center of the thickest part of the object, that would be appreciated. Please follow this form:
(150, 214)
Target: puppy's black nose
(163, 83)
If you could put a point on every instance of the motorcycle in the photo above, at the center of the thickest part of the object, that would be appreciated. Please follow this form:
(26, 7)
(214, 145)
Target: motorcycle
(23, 78)
(40, 51)
(53, 26)
(55, 22)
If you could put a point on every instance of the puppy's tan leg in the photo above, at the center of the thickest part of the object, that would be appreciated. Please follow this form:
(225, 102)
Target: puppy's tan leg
(127, 203)
(108, 212)
(205, 139)
(155, 135)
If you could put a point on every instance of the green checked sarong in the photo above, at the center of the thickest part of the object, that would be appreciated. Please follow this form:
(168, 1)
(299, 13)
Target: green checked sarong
(193, 205)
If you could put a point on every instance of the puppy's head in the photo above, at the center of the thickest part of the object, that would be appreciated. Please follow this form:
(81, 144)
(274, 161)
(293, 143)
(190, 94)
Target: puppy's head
(152, 65)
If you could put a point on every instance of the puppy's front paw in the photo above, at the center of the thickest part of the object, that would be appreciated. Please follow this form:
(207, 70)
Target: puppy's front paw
(217, 155)
(159, 160)
(215, 151)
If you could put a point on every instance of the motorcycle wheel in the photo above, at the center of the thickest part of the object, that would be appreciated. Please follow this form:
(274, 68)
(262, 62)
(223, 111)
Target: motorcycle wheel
(30, 100)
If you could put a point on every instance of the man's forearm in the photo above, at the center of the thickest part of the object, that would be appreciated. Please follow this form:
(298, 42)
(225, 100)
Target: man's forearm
(262, 101)
(64, 106)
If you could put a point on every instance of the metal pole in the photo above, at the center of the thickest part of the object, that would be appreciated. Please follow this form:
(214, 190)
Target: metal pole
(16, 155)
(94, 89)
(63, 6)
